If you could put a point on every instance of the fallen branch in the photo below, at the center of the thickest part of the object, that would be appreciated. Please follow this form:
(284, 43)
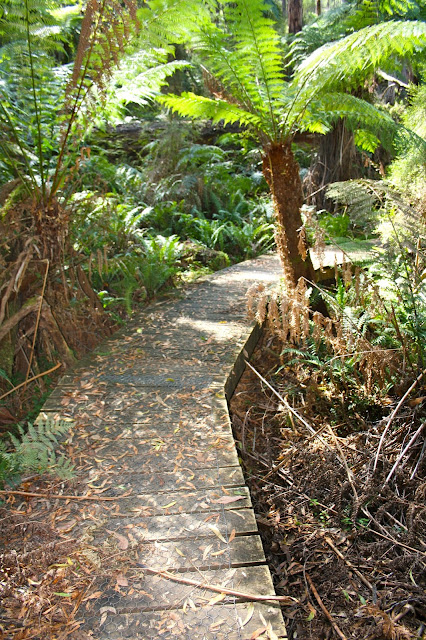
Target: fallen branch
(37, 321)
(349, 564)
(217, 589)
(31, 305)
(290, 408)
(386, 535)
(392, 416)
(39, 375)
(324, 608)
(58, 496)
(403, 452)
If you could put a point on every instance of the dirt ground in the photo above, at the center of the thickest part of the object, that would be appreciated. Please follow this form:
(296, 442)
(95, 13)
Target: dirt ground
(350, 550)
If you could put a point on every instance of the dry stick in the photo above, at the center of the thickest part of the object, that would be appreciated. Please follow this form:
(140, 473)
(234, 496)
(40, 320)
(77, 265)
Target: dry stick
(349, 473)
(37, 322)
(324, 609)
(39, 375)
(217, 589)
(403, 452)
(349, 564)
(392, 416)
(58, 496)
(385, 535)
(290, 408)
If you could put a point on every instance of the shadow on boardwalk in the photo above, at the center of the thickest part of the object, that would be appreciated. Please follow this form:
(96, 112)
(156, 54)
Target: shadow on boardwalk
(154, 443)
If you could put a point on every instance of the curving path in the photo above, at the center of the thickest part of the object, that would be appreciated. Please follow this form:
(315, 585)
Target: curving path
(153, 432)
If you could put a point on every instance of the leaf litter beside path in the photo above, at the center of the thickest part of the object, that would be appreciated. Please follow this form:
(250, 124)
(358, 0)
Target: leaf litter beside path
(349, 549)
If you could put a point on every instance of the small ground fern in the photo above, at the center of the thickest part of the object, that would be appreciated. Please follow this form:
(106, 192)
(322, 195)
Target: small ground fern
(34, 450)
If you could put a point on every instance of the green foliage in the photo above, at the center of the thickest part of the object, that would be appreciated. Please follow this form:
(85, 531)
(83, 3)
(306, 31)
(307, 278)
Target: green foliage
(34, 450)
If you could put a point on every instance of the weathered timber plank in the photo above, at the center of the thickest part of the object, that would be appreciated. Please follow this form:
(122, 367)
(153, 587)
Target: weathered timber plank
(147, 592)
(207, 553)
(226, 622)
(175, 526)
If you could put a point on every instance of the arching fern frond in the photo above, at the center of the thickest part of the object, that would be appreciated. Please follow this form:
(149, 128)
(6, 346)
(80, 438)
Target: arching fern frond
(345, 64)
(192, 106)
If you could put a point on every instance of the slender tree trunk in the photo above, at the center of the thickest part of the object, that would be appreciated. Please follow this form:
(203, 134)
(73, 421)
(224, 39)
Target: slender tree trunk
(281, 172)
(318, 7)
(295, 16)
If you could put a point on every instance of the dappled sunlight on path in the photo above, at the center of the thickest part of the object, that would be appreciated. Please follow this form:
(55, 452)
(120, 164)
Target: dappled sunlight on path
(152, 436)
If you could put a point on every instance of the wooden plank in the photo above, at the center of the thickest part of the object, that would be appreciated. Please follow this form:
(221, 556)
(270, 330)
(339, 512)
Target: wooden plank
(173, 527)
(208, 553)
(164, 454)
(147, 592)
(226, 622)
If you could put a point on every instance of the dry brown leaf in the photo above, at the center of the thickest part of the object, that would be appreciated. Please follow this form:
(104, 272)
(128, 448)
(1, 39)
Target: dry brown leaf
(228, 499)
(216, 532)
(123, 542)
(122, 581)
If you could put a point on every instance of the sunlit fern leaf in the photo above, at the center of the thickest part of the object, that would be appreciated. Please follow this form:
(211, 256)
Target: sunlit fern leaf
(332, 67)
(193, 106)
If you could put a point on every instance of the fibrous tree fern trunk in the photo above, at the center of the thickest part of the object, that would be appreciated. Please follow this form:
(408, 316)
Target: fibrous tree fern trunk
(281, 172)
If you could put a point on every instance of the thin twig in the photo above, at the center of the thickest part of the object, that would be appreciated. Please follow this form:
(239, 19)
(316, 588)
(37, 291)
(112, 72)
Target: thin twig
(349, 564)
(37, 322)
(386, 535)
(58, 496)
(217, 589)
(403, 452)
(349, 472)
(39, 375)
(392, 416)
(290, 408)
(324, 608)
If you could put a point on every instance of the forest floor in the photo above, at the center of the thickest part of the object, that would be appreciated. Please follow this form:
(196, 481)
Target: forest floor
(351, 553)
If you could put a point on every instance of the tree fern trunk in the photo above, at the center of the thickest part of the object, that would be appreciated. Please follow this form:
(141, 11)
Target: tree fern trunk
(281, 172)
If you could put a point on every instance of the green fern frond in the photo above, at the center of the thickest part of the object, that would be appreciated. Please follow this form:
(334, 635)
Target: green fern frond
(199, 107)
(35, 450)
(346, 63)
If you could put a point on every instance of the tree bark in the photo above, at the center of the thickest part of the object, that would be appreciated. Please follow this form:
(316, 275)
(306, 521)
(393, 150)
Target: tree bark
(337, 160)
(281, 172)
(295, 16)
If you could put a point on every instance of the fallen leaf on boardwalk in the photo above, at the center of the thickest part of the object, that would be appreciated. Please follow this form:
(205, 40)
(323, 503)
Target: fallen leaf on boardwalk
(104, 613)
(123, 542)
(217, 598)
(219, 553)
(257, 633)
(217, 624)
(207, 551)
(216, 531)
(122, 581)
(167, 506)
(271, 633)
(250, 611)
(228, 499)
(232, 536)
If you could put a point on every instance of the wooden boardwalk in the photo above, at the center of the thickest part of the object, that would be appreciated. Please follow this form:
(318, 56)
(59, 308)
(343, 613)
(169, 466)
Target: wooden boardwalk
(152, 432)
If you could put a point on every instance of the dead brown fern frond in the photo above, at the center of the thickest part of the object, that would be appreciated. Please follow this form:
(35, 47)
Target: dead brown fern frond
(106, 28)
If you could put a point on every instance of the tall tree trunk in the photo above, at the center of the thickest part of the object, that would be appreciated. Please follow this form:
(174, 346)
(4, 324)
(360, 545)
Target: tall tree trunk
(281, 172)
(295, 16)
(337, 160)
(318, 7)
